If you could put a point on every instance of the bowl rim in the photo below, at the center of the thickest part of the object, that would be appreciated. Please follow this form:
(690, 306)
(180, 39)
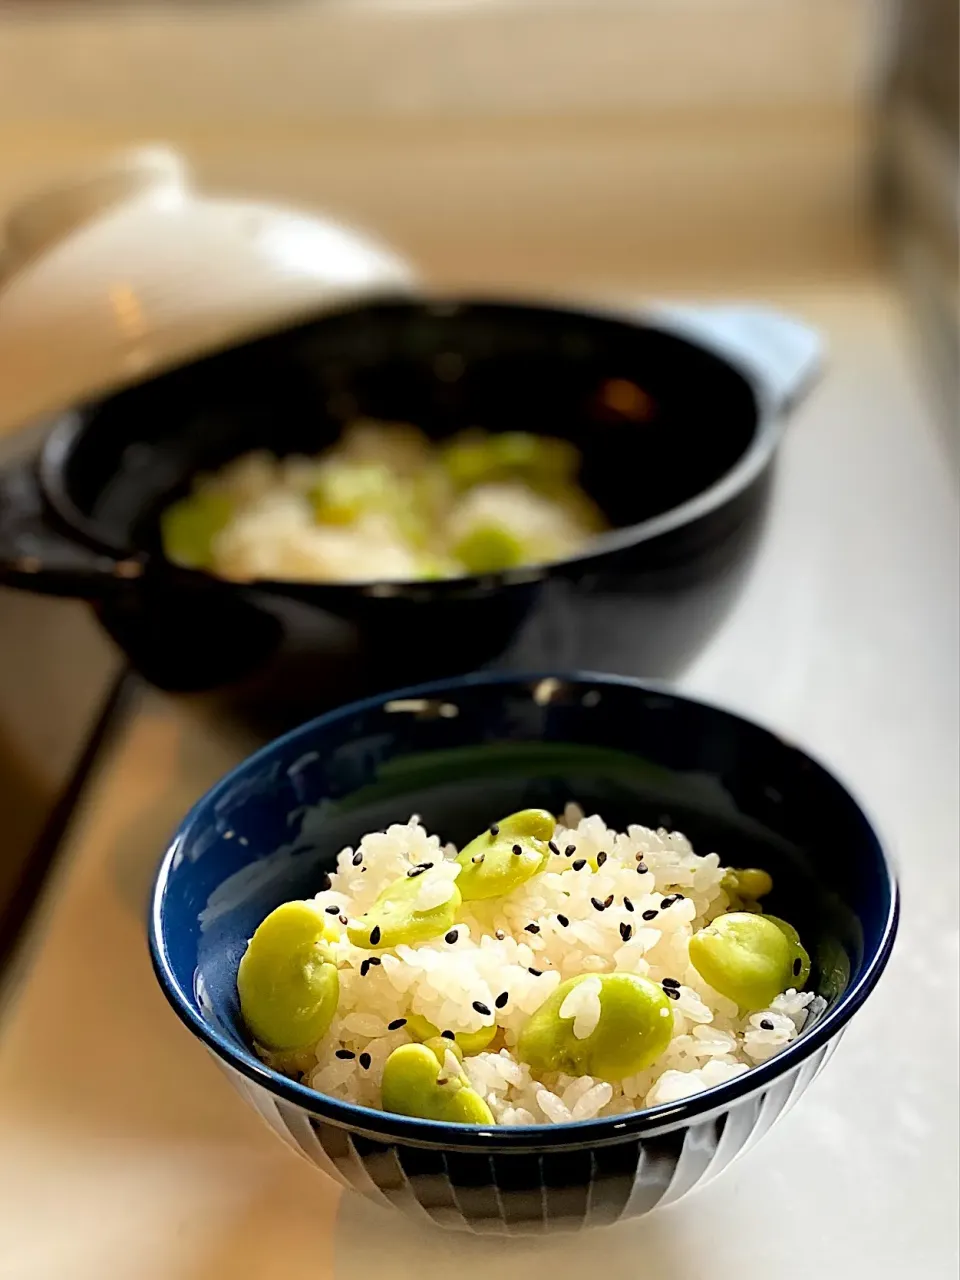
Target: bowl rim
(70, 425)
(385, 1126)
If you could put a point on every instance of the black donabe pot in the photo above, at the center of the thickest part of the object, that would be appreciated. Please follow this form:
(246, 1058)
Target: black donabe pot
(680, 472)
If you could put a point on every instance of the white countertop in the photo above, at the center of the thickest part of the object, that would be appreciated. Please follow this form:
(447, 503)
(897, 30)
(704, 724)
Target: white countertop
(124, 1154)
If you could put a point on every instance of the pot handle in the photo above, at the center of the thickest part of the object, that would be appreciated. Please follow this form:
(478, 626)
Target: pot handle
(36, 556)
(781, 356)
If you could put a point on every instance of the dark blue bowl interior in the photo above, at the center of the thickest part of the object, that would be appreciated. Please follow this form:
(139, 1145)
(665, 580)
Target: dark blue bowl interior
(466, 752)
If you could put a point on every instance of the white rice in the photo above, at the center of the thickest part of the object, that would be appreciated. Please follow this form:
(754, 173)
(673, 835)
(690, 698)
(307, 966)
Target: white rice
(273, 531)
(494, 952)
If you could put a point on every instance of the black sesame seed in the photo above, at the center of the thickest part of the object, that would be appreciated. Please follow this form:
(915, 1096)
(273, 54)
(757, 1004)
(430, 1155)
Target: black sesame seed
(639, 857)
(608, 901)
(374, 935)
(332, 911)
(499, 935)
(478, 859)
(481, 1008)
(601, 858)
(346, 1054)
(552, 847)
(343, 919)
(451, 937)
(570, 850)
(563, 920)
(448, 1035)
(357, 858)
(642, 870)
(517, 849)
(598, 904)
(650, 915)
(766, 1024)
(396, 1024)
(672, 992)
(669, 901)
(628, 904)
(494, 830)
(426, 865)
(579, 864)
(671, 982)
(365, 1061)
(626, 931)
(374, 960)
(797, 966)
(537, 973)
(415, 871)
(502, 999)
(364, 968)
(531, 928)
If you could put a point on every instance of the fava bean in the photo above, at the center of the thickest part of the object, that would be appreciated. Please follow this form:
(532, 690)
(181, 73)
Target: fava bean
(440, 1046)
(343, 492)
(188, 528)
(396, 918)
(415, 1083)
(505, 856)
(287, 981)
(744, 956)
(489, 548)
(543, 462)
(469, 1042)
(800, 965)
(749, 883)
(633, 1030)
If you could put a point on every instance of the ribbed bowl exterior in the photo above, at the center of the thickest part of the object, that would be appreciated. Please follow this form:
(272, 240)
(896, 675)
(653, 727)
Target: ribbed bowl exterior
(531, 1193)
(516, 742)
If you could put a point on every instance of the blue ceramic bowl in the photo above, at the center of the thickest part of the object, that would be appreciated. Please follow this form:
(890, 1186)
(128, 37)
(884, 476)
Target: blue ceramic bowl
(461, 753)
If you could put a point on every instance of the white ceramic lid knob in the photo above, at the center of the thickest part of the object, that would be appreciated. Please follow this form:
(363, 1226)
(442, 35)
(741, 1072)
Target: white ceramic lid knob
(40, 220)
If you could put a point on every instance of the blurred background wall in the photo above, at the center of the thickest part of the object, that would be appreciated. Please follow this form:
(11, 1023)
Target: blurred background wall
(528, 142)
(919, 136)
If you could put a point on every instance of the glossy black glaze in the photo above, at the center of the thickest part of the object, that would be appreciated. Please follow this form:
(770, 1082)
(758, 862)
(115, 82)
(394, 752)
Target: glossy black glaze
(630, 752)
(683, 484)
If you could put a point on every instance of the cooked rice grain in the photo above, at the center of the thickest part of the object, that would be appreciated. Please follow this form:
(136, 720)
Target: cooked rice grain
(497, 954)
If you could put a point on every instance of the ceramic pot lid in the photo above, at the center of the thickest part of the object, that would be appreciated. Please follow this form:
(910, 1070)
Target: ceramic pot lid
(127, 270)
